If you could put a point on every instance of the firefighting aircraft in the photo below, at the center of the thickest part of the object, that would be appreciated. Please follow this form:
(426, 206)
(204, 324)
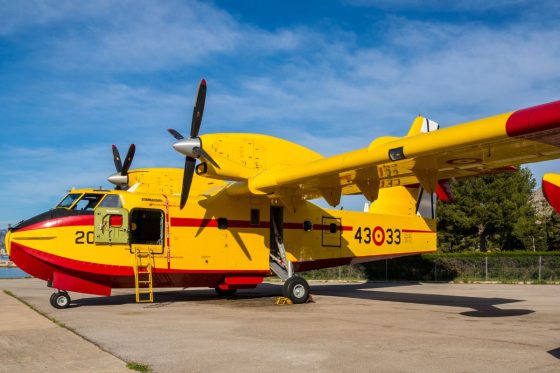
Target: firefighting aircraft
(243, 212)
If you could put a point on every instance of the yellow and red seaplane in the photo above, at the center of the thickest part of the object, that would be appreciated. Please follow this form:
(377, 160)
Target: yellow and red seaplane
(244, 212)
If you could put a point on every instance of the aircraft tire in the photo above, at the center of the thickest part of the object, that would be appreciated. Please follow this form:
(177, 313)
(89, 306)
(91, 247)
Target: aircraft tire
(296, 289)
(60, 300)
(225, 293)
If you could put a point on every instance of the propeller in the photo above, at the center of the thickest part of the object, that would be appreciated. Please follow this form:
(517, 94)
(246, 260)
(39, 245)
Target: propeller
(120, 178)
(192, 147)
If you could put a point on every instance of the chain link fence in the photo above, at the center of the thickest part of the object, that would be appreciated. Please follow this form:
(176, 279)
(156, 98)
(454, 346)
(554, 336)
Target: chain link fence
(468, 267)
(527, 268)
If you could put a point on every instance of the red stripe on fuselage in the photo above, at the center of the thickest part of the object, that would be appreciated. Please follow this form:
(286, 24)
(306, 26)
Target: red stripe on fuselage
(112, 269)
(87, 220)
(213, 223)
(67, 221)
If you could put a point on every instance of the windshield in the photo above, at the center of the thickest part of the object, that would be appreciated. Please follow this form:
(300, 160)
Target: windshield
(111, 200)
(88, 202)
(69, 200)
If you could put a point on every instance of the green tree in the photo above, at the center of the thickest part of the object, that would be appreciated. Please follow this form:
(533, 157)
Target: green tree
(491, 212)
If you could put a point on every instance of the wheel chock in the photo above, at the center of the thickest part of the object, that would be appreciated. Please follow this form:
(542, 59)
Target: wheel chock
(283, 301)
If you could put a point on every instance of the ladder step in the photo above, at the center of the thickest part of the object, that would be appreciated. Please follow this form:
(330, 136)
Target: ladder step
(143, 277)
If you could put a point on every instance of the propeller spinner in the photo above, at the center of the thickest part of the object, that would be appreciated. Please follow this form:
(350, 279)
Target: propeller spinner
(192, 147)
(120, 178)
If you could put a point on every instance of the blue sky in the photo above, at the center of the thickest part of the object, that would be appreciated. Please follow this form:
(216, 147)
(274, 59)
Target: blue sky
(76, 77)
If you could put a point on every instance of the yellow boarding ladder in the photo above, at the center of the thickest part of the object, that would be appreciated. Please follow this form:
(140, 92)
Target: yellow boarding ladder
(143, 276)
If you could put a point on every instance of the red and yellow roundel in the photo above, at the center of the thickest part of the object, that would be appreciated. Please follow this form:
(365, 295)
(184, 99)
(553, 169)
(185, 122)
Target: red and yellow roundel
(378, 236)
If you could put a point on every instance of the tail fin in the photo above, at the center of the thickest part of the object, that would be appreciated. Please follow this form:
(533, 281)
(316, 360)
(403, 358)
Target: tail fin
(422, 125)
(413, 200)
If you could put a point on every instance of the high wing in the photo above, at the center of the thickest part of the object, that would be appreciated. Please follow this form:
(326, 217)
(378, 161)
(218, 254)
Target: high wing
(468, 149)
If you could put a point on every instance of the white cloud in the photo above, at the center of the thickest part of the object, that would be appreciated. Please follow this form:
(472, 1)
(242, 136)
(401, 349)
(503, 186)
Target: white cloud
(138, 36)
(317, 87)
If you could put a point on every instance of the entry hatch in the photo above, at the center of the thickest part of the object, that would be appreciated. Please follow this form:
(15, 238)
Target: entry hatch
(111, 225)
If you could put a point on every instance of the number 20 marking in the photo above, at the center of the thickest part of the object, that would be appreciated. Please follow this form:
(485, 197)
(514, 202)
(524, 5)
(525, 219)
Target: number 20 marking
(80, 237)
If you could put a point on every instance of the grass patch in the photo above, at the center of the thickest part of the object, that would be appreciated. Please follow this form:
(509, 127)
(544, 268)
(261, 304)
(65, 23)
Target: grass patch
(139, 367)
(52, 319)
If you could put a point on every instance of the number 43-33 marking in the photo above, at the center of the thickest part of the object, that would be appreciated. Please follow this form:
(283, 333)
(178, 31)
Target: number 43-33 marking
(378, 235)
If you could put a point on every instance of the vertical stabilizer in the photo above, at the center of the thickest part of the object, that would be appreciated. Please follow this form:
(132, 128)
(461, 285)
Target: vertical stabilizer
(408, 200)
(422, 125)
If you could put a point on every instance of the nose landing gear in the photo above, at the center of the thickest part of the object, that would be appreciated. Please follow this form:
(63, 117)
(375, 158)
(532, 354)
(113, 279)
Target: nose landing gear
(60, 299)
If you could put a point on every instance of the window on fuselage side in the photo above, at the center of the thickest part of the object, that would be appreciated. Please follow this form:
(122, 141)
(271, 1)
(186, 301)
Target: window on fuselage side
(88, 202)
(111, 200)
(146, 227)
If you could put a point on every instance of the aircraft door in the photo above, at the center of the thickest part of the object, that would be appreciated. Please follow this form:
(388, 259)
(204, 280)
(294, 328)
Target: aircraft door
(147, 230)
(110, 225)
(276, 217)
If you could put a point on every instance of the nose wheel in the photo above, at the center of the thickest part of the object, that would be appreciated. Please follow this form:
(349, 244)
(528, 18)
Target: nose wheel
(296, 289)
(60, 300)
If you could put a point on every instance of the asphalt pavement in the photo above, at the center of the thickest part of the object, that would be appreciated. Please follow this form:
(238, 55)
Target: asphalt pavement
(382, 327)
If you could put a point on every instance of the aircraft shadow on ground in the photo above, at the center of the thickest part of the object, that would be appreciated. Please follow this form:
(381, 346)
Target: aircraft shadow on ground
(164, 297)
(481, 307)
(555, 353)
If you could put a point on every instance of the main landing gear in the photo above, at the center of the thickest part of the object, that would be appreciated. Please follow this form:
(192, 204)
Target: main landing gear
(60, 299)
(296, 289)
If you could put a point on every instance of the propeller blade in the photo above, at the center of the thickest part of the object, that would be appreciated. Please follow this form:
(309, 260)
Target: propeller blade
(175, 134)
(198, 108)
(117, 158)
(128, 159)
(201, 153)
(187, 180)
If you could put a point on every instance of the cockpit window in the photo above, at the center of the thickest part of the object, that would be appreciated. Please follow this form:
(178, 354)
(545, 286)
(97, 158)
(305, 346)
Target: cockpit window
(69, 200)
(88, 202)
(111, 200)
